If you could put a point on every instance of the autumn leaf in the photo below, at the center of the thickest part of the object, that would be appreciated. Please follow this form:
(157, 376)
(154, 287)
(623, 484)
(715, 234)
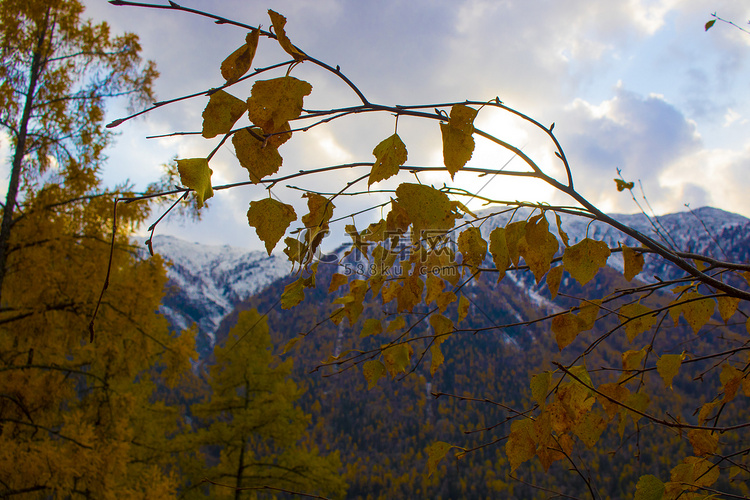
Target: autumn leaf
(463, 308)
(554, 278)
(587, 313)
(239, 62)
(427, 208)
(637, 319)
(731, 379)
(649, 488)
(397, 358)
(704, 442)
(633, 263)
(695, 309)
(293, 294)
(390, 154)
(195, 174)
(320, 211)
(472, 246)
(371, 326)
(222, 111)
(270, 218)
(709, 24)
(590, 428)
(373, 371)
(259, 158)
(521, 445)
(538, 246)
(566, 328)
(279, 22)
(337, 280)
(499, 250)
(435, 453)
(668, 366)
(398, 323)
(441, 325)
(584, 259)
(563, 235)
(273, 103)
(514, 233)
(458, 144)
(622, 185)
(540, 387)
(727, 306)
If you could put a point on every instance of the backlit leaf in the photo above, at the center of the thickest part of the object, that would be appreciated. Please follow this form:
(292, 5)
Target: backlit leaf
(633, 263)
(585, 258)
(458, 144)
(222, 110)
(435, 286)
(279, 22)
(390, 154)
(239, 62)
(320, 211)
(704, 442)
(554, 278)
(463, 308)
(195, 174)
(397, 358)
(514, 233)
(563, 235)
(649, 488)
(521, 445)
(293, 294)
(371, 326)
(427, 208)
(499, 251)
(373, 370)
(566, 328)
(337, 280)
(270, 218)
(639, 319)
(695, 309)
(727, 306)
(538, 246)
(257, 156)
(435, 453)
(668, 366)
(272, 103)
(540, 387)
(472, 246)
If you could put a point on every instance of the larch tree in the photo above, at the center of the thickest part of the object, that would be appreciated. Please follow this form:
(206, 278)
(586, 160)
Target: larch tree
(250, 436)
(428, 249)
(77, 419)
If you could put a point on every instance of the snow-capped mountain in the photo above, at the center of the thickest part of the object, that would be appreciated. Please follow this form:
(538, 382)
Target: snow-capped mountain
(207, 281)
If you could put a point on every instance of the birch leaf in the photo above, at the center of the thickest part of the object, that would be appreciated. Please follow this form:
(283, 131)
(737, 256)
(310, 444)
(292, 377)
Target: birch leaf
(458, 144)
(221, 112)
(584, 259)
(239, 62)
(270, 218)
(390, 154)
(195, 174)
(279, 22)
(258, 157)
(273, 103)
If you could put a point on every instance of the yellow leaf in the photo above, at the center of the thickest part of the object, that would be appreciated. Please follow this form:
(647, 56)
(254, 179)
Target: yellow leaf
(390, 154)
(639, 319)
(195, 174)
(279, 22)
(566, 328)
(633, 263)
(293, 294)
(499, 251)
(668, 366)
(584, 259)
(631, 360)
(336, 281)
(588, 312)
(270, 218)
(554, 278)
(435, 453)
(649, 488)
(397, 358)
(538, 246)
(458, 144)
(372, 326)
(463, 308)
(222, 110)
(730, 378)
(696, 310)
(441, 325)
(396, 324)
(590, 428)
(514, 233)
(437, 355)
(258, 157)
(320, 211)
(563, 234)
(273, 103)
(410, 294)
(427, 208)
(444, 300)
(472, 246)
(521, 445)
(540, 387)
(435, 287)
(617, 392)
(373, 370)
(238, 63)
(727, 306)
(704, 442)
(294, 250)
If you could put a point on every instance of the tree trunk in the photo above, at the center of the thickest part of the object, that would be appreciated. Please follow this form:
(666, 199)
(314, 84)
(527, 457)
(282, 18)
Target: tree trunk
(19, 153)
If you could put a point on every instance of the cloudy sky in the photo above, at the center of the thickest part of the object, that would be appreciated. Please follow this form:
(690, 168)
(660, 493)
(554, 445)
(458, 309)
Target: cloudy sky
(636, 85)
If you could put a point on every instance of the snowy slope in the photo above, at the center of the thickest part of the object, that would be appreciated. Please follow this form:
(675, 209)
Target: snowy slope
(207, 281)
